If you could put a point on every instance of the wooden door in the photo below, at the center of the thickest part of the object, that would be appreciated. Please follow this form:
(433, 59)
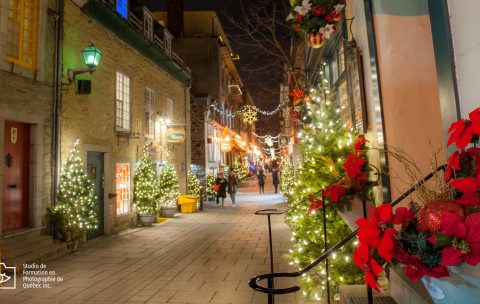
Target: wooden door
(16, 175)
(96, 171)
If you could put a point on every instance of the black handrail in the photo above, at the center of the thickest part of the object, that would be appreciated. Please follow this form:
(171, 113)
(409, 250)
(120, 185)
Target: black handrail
(253, 282)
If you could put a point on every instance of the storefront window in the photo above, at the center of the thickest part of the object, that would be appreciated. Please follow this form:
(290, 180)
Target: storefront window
(122, 181)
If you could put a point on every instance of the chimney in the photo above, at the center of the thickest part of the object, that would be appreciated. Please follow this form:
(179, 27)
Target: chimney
(175, 17)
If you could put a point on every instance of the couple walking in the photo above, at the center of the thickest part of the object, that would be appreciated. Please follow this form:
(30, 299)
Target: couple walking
(231, 184)
(262, 177)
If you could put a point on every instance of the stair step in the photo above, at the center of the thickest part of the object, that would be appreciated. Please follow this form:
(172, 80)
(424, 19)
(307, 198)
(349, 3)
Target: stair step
(357, 294)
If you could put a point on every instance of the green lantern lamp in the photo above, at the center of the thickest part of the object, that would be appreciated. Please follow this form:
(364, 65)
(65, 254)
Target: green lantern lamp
(91, 56)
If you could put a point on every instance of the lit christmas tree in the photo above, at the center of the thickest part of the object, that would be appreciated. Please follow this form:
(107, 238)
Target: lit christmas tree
(325, 145)
(210, 183)
(194, 186)
(287, 177)
(168, 185)
(240, 170)
(146, 192)
(77, 201)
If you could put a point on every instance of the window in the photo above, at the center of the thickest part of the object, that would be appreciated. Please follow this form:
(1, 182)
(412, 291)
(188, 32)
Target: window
(169, 108)
(122, 181)
(22, 33)
(168, 43)
(147, 24)
(123, 102)
(122, 8)
(149, 112)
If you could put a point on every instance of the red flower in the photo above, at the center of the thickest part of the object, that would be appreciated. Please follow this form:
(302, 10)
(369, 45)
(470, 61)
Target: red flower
(319, 11)
(353, 166)
(465, 245)
(360, 179)
(314, 204)
(359, 144)
(299, 17)
(334, 192)
(453, 164)
(364, 260)
(376, 232)
(470, 190)
(415, 269)
(333, 17)
(403, 216)
(463, 130)
(296, 94)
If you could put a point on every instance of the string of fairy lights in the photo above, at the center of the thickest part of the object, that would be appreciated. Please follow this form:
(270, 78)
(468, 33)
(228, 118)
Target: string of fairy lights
(249, 113)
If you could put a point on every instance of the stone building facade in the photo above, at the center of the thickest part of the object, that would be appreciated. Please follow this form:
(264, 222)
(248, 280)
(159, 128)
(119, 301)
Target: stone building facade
(139, 93)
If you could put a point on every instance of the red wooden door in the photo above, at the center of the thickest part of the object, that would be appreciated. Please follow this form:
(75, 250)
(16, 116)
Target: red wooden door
(16, 165)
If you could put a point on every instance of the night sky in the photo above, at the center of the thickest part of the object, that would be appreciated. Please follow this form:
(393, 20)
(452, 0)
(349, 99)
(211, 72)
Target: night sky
(265, 91)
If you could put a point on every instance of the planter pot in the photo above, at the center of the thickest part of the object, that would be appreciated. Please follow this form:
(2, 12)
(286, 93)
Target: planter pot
(315, 40)
(462, 286)
(146, 219)
(355, 212)
(168, 211)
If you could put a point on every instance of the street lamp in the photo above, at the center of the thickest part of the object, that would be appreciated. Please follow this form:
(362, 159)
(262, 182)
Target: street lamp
(91, 57)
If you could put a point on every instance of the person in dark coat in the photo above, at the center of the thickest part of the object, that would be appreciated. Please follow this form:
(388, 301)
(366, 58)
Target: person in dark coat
(275, 179)
(222, 191)
(232, 185)
(261, 181)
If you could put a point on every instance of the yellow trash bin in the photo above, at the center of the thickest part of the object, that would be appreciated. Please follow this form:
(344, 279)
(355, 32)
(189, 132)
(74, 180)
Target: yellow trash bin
(188, 203)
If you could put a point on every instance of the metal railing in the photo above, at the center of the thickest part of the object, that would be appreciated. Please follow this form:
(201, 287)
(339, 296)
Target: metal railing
(254, 282)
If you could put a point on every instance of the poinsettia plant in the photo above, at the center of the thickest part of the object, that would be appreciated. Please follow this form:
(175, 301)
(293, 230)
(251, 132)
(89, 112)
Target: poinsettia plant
(442, 232)
(316, 16)
(355, 182)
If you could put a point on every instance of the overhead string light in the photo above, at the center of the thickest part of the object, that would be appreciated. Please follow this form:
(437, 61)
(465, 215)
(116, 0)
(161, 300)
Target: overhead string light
(250, 108)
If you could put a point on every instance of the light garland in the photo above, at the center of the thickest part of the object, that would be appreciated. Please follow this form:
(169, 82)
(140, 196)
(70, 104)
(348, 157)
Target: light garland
(254, 108)
(249, 115)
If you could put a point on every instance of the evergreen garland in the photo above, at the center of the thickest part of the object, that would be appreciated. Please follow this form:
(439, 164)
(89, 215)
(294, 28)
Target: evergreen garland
(146, 191)
(77, 201)
(168, 185)
(287, 177)
(325, 145)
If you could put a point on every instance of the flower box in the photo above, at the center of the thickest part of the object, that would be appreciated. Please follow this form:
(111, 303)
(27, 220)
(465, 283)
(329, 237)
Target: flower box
(352, 214)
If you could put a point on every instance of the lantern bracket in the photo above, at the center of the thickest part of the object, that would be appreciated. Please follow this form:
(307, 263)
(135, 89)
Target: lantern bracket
(74, 72)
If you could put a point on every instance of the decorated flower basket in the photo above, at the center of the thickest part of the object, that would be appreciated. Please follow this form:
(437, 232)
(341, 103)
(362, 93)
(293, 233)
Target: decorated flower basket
(461, 286)
(315, 40)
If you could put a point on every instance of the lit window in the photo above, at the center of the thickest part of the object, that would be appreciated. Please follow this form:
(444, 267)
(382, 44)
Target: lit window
(122, 8)
(123, 102)
(149, 112)
(122, 181)
(22, 33)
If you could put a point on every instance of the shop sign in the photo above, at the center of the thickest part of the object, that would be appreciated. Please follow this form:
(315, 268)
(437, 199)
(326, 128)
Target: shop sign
(175, 136)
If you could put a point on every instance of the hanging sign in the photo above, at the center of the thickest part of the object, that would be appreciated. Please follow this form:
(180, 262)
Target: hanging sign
(283, 140)
(175, 136)
(226, 147)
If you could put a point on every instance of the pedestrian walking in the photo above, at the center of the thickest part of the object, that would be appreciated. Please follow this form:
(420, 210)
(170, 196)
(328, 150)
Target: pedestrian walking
(275, 179)
(261, 181)
(222, 188)
(232, 185)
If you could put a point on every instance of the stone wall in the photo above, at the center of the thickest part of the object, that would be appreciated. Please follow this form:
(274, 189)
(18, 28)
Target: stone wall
(197, 114)
(91, 118)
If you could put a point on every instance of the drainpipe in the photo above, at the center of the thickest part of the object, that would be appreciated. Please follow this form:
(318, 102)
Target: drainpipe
(57, 98)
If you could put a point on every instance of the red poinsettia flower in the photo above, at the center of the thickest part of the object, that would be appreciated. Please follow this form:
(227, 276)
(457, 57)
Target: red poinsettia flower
(364, 260)
(376, 232)
(403, 216)
(465, 245)
(358, 146)
(334, 192)
(314, 204)
(360, 179)
(296, 94)
(463, 130)
(470, 190)
(453, 165)
(353, 165)
(415, 269)
(319, 11)
(334, 16)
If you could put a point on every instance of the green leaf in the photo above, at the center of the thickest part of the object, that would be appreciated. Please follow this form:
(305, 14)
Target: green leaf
(442, 240)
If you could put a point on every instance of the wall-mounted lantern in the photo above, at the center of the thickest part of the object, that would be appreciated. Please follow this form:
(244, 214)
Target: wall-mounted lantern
(91, 57)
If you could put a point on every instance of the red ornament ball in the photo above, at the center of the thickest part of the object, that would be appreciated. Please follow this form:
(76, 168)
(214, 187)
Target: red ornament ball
(430, 216)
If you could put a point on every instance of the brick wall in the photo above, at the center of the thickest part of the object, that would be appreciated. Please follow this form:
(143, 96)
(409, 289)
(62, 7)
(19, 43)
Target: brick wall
(197, 112)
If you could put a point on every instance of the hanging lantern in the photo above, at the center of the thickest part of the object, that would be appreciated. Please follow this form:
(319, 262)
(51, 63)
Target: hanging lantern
(91, 56)
(315, 40)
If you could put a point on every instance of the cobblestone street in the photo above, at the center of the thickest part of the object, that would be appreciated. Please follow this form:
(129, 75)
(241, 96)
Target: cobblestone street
(204, 257)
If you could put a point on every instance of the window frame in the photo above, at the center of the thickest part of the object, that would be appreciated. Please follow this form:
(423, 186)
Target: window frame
(122, 127)
(123, 198)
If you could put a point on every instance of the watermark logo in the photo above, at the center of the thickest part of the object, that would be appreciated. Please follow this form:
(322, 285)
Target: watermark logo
(7, 280)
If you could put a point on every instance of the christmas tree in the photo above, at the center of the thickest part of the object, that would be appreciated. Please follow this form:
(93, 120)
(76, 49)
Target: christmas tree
(240, 170)
(169, 188)
(325, 145)
(287, 177)
(77, 201)
(146, 192)
(194, 186)
(210, 183)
